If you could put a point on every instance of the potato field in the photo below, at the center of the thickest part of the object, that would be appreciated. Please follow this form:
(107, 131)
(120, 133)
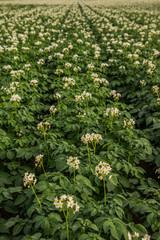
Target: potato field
(80, 121)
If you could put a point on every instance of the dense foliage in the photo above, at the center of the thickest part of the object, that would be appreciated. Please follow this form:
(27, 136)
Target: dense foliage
(79, 123)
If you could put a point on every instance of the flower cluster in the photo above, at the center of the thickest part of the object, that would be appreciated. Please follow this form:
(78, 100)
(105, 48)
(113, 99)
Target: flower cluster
(57, 96)
(82, 115)
(68, 81)
(52, 109)
(7, 67)
(158, 172)
(146, 237)
(66, 200)
(128, 123)
(43, 126)
(97, 52)
(19, 134)
(29, 179)
(143, 83)
(68, 65)
(77, 69)
(15, 98)
(158, 101)
(102, 170)
(65, 50)
(75, 56)
(94, 75)
(155, 89)
(34, 83)
(83, 96)
(136, 235)
(38, 160)
(41, 62)
(27, 66)
(89, 138)
(11, 89)
(113, 112)
(99, 81)
(104, 65)
(79, 41)
(17, 73)
(90, 66)
(73, 162)
(58, 71)
(115, 95)
(59, 55)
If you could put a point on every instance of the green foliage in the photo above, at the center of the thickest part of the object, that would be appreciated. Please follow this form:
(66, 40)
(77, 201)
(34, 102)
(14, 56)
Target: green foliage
(111, 40)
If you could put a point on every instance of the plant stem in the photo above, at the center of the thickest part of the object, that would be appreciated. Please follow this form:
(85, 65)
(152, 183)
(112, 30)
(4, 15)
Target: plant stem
(44, 134)
(43, 169)
(67, 225)
(100, 230)
(104, 191)
(36, 196)
(59, 79)
(66, 217)
(59, 105)
(87, 103)
(88, 155)
(94, 149)
(111, 125)
(74, 180)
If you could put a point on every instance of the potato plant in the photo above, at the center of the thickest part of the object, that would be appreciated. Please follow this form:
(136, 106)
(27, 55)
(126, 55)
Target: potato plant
(79, 122)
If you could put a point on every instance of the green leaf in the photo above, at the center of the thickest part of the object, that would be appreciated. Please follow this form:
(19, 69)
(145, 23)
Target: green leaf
(17, 229)
(153, 183)
(30, 211)
(76, 226)
(149, 120)
(121, 227)
(141, 229)
(20, 152)
(92, 226)
(27, 229)
(11, 222)
(124, 181)
(41, 186)
(47, 227)
(151, 218)
(118, 166)
(114, 232)
(3, 227)
(119, 211)
(10, 154)
(106, 225)
(36, 236)
(5, 238)
(61, 163)
(39, 221)
(4, 178)
(21, 198)
(28, 155)
(83, 180)
(113, 180)
(2, 132)
(55, 216)
(110, 186)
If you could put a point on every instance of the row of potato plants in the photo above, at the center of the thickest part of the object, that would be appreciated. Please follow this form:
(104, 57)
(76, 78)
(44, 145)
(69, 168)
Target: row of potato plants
(73, 158)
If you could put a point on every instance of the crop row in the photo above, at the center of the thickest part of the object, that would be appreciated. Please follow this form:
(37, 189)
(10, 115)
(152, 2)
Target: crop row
(79, 123)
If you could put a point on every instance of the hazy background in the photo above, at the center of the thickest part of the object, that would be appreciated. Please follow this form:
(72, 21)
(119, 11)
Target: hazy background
(95, 2)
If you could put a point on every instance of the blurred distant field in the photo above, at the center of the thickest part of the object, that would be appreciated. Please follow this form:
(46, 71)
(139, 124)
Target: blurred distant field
(142, 3)
(79, 120)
